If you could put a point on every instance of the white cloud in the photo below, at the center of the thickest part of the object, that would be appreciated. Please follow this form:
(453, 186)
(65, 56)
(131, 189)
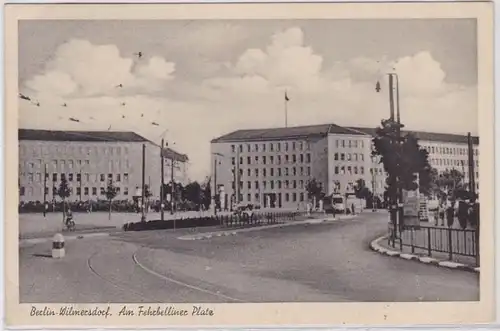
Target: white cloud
(250, 94)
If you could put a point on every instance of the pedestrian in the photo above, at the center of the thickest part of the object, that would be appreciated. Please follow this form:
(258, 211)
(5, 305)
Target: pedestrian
(353, 210)
(450, 213)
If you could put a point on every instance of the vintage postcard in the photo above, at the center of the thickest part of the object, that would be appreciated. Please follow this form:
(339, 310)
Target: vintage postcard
(249, 164)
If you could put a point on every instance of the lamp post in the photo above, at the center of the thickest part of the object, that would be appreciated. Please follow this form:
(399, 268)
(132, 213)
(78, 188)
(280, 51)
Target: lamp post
(45, 175)
(215, 188)
(373, 182)
(396, 207)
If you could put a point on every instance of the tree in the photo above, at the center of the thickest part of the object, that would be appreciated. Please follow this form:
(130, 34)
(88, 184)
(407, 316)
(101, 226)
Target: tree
(402, 158)
(64, 192)
(314, 190)
(361, 191)
(207, 195)
(450, 182)
(192, 192)
(111, 192)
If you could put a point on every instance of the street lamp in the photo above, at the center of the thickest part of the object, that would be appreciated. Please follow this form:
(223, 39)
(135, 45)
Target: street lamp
(215, 188)
(398, 216)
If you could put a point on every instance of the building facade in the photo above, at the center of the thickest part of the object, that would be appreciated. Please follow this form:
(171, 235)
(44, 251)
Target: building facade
(272, 167)
(88, 160)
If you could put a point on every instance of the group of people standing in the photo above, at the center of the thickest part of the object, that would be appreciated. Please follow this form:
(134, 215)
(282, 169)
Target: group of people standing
(466, 211)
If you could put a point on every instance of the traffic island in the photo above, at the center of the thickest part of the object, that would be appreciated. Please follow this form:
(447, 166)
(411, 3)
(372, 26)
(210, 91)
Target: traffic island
(378, 246)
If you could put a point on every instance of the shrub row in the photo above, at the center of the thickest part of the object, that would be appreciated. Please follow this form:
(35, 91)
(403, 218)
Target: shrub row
(227, 220)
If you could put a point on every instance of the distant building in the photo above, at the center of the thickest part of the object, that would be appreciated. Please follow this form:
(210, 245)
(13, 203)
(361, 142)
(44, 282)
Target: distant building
(273, 166)
(88, 160)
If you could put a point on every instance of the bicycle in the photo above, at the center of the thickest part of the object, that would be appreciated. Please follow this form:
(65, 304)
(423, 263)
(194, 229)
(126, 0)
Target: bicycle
(70, 225)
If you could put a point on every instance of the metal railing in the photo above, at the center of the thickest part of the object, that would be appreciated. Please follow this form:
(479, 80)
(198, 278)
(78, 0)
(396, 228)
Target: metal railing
(431, 239)
(257, 219)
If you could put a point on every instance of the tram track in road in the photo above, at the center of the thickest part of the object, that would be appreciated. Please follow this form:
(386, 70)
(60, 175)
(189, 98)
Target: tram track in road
(113, 282)
(127, 287)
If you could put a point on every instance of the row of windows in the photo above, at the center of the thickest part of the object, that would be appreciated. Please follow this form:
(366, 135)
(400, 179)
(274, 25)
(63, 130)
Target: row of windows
(376, 171)
(286, 184)
(449, 150)
(287, 196)
(86, 191)
(294, 159)
(342, 143)
(278, 146)
(342, 170)
(65, 149)
(293, 171)
(70, 164)
(448, 162)
(348, 157)
(37, 177)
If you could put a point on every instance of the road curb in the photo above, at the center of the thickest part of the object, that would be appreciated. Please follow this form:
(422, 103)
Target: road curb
(375, 246)
(34, 241)
(210, 235)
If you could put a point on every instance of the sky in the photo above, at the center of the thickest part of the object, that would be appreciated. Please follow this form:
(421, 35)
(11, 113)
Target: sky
(201, 79)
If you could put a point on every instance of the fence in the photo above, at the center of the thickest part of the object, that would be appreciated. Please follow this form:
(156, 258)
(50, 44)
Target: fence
(464, 242)
(257, 219)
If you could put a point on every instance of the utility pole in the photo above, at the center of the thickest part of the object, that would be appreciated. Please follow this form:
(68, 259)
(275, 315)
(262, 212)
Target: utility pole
(172, 185)
(215, 185)
(45, 175)
(472, 178)
(162, 180)
(81, 180)
(143, 216)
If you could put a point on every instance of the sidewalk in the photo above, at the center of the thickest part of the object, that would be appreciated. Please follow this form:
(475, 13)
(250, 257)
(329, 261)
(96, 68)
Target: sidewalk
(381, 245)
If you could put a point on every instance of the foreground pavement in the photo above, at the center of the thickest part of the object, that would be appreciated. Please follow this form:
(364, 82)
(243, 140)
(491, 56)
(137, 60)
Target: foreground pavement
(308, 263)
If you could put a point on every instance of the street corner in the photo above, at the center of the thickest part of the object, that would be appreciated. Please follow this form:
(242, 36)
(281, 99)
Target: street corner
(375, 246)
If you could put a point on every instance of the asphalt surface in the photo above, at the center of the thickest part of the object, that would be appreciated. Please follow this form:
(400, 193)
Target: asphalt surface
(306, 263)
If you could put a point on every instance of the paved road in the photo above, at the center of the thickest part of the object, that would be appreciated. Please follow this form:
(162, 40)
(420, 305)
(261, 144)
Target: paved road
(328, 262)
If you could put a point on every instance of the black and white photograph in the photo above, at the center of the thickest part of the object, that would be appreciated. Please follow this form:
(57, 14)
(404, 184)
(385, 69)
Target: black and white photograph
(164, 162)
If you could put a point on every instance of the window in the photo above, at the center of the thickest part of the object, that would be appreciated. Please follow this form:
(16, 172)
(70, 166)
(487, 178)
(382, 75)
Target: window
(54, 191)
(286, 158)
(336, 156)
(38, 177)
(233, 160)
(294, 184)
(361, 157)
(264, 172)
(94, 190)
(248, 148)
(233, 149)
(294, 171)
(256, 147)
(286, 147)
(249, 172)
(103, 178)
(272, 171)
(70, 164)
(249, 197)
(293, 146)
(343, 143)
(278, 147)
(279, 172)
(362, 170)
(241, 160)
(125, 177)
(355, 170)
(257, 197)
(272, 185)
(256, 172)
(86, 191)
(336, 170)
(279, 184)
(294, 197)
(264, 184)
(62, 163)
(294, 158)
(264, 159)
(301, 197)
(125, 191)
(249, 160)
(118, 177)
(355, 156)
(302, 171)
(279, 159)
(78, 191)
(241, 148)
(348, 156)
(301, 184)
(355, 142)
(287, 197)
(256, 160)
(286, 171)
(102, 191)
(263, 147)
(249, 185)
(21, 191)
(54, 164)
(309, 171)
(342, 157)
(256, 185)
(349, 171)
(79, 162)
(287, 184)
(271, 147)
(78, 177)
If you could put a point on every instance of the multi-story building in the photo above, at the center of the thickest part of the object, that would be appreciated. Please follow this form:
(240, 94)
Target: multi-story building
(272, 167)
(88, 160)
